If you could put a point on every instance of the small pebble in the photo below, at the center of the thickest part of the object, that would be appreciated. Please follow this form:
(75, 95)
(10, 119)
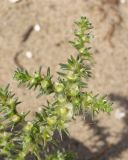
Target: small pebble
(39, 109)
(37, 27)
(13, 1)
(29, 54)
(119, 114)
(122, 1)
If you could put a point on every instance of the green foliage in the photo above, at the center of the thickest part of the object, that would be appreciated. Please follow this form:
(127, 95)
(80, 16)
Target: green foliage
(43, 82)
(69, 100)
(61, 156)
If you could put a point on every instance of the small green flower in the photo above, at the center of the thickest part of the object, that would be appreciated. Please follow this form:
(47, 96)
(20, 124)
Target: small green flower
(45, 84)
(12, 103)
(51, 120)
(72, 76)
(59, 87)
(69, 108)
(63, 111)
(16, 118)
(28, 126)
(73, 90)
(61, 98)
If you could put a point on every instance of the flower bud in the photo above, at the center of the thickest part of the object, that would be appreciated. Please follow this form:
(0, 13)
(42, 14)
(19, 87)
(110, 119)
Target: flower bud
(63, 111)
(47, 133)
(62, 124)
(89, 99)
(44, 84)
(61, 98)
(36, 75)
(59, 87)
(28, 127)
(73, 90)
(78, 32)
(69, 107)
(71, 76)
(51, 120)
(66, 111)
(16, 118)
(33, 81)
(76, 101)
(11, 102)
(82, 50)
(84, 38)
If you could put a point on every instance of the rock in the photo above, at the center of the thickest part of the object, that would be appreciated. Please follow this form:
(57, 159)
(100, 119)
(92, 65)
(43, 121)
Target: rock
(14, 1)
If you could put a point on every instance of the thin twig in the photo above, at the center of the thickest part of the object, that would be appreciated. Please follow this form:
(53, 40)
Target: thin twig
(16, 59)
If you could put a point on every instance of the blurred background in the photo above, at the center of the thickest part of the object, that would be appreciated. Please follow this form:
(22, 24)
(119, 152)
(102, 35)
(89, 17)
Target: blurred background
(35, 33)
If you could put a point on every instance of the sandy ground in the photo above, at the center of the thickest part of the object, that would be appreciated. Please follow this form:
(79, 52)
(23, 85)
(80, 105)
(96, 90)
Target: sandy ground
(106, 138)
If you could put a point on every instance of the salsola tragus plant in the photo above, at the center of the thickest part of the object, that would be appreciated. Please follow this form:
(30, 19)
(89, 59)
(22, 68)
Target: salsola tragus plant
(20, 138)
